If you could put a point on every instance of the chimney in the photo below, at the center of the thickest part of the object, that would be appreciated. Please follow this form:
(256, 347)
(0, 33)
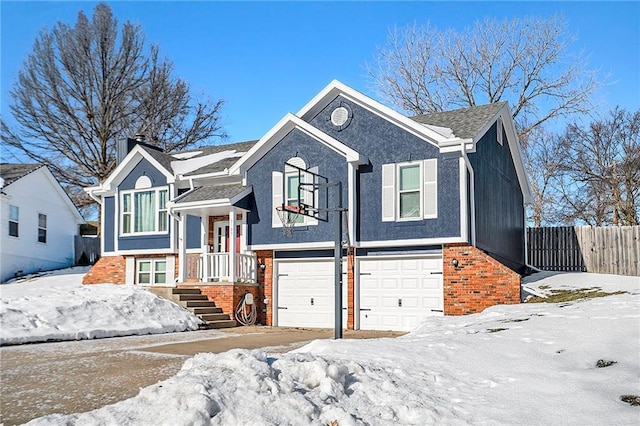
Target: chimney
(125, 145)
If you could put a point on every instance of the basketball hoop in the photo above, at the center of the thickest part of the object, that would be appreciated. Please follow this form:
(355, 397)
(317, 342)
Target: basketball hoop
(288, 216)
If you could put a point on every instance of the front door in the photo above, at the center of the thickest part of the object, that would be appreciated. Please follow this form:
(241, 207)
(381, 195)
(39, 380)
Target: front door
(221, 238)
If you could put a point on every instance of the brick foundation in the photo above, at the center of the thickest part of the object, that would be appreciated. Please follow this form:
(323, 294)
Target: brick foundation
(265, 282)
(227, 296)
(107, 270)
(351, 282)
(479, 281)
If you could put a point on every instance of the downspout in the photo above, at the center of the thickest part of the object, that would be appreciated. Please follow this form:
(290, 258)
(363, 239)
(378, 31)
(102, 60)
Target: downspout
(472, 189)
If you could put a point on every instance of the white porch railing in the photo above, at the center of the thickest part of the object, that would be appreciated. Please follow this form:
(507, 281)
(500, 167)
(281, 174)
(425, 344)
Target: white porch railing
(218, 267)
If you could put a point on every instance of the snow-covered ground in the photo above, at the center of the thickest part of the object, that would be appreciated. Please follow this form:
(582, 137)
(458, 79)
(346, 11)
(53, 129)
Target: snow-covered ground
(56, 306)
(528, 364)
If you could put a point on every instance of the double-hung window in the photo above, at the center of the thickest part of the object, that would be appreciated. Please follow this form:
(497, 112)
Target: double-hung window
(409, 193)
(151, 272)
(410, 190)
(14, 220)
(144, 211)
(292, 185)
(42, 228)
(285, 187)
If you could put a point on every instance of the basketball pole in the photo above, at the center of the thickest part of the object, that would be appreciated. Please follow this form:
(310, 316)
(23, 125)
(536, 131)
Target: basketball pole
(337, 259)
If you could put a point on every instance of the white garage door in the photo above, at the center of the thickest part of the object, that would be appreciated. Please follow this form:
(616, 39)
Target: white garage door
(397, 294)
(305, 294)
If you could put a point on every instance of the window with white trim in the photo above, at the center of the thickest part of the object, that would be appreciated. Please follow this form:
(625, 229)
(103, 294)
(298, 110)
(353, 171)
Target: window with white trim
(410, 190)
(151, 271)
(42, 228)
(14, 221)
(285, 190)
(144, 211)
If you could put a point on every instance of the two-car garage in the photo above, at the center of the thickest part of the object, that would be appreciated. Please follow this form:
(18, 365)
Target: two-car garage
(391, 293)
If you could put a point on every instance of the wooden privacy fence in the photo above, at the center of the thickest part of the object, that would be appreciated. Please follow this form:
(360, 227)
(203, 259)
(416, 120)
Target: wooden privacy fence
(604, 250)
(87, 250)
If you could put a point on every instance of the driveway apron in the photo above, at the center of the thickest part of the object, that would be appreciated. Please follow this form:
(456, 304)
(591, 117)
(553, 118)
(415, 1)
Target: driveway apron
(78, 376)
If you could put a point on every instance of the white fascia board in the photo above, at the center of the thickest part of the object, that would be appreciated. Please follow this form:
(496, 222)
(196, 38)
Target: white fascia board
(128, 164)
(63, 194)
(137, 252)
(293, 246)
(222, 202)
(456, 146)
(335, 88)
(280, 130)
(516, 154)
(412, 242)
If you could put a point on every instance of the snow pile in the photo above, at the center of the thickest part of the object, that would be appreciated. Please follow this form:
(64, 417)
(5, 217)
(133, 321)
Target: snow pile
(519, 364)
(59, 307)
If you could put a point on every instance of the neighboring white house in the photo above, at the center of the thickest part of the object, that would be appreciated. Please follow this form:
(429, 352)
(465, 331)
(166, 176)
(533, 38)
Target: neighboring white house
(39, 221)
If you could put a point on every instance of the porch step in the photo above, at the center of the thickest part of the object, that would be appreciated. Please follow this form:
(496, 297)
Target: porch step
(197, 304)
(193, 300)
(214, 317)
(220, 324)
(185, 291)
(183, 297)
(204, 311)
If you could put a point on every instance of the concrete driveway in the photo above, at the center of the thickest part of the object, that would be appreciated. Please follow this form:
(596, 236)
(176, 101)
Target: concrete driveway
(78, 376)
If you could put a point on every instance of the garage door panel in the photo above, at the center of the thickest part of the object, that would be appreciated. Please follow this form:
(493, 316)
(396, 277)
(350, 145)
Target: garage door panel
(298, 282)
(415, 282)
(390, 283)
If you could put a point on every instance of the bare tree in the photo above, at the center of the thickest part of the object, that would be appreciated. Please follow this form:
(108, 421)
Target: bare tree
(526, 62)
(601, 170)
(84, 87)
(542, 160)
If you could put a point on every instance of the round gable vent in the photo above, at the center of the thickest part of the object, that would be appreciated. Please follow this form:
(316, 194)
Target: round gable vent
(339, 116)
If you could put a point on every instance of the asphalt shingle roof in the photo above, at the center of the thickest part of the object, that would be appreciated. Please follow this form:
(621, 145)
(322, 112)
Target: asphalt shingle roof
(11, 172)
(204, 193)
(465, 122)
(162, 158)
(222, 164)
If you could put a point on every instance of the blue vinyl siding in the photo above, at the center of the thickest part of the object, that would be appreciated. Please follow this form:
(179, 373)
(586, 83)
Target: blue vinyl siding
(194, 230)
(383, 143)
(109, 222)
(315, 154)
(144, 242)
(498, 201)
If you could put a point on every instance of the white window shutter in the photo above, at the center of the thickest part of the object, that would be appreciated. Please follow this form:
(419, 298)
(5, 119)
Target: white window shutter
(310, 197)
(388, 192)
(277, 198)
(430, 195)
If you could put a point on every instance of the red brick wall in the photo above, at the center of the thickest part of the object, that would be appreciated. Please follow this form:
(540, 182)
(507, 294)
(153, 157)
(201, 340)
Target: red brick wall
(350, 290)
(479, 281)
(227, 296)
(265, 282)
(107, 270)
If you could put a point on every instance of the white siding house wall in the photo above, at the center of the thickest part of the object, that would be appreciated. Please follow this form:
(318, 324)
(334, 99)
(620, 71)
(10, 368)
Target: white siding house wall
(37, 193)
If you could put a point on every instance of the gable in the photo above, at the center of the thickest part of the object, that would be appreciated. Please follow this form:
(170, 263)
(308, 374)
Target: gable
(143, 168)
(130, 162)
(41, 183)
(289, 123)
(336, 88)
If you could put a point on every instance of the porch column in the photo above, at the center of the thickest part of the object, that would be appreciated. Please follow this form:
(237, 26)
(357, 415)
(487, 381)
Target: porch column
(182, 248)
(232, 245)
(204, 243)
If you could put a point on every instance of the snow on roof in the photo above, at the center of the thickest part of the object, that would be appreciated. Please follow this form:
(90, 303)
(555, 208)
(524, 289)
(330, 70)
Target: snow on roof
(183, 167)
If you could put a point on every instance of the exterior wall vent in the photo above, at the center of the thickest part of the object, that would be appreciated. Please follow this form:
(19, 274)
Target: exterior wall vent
(339, 116)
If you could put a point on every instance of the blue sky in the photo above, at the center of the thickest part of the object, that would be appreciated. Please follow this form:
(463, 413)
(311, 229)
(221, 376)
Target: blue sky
(270, 58)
